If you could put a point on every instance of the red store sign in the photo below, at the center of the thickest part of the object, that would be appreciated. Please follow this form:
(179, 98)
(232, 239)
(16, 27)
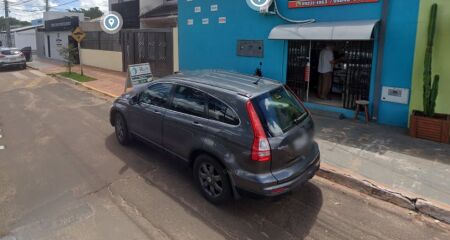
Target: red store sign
(324, 3)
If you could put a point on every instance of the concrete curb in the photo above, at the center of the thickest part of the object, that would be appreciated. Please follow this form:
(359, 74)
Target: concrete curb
(404, 200)
(84, 85)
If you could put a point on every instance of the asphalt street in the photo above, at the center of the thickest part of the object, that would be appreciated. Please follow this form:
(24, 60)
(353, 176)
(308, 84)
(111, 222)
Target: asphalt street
(64, 176)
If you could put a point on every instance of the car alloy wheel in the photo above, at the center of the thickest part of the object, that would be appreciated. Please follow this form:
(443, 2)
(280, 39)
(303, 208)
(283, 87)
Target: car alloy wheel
(210, 180)
(121, 130)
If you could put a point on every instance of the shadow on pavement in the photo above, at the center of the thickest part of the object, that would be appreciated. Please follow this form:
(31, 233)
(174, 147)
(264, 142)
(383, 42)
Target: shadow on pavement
(287, 217)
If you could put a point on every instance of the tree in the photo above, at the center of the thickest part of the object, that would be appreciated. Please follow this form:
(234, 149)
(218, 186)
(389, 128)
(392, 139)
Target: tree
(13, 23)
(69, 54)
(93, 12)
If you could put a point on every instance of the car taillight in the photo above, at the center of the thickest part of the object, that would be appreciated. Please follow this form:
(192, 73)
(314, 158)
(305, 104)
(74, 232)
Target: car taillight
(260, 148)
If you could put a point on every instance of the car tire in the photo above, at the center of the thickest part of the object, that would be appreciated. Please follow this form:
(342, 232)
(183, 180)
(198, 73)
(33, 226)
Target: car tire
(212, 179)
(24, 66)
(121, 130)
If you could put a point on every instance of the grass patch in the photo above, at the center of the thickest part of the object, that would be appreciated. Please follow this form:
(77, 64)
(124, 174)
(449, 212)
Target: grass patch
(76, 76)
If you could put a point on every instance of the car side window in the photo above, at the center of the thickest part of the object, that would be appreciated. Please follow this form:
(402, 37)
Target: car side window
(221, 112)
(188, 100)
(156, 94)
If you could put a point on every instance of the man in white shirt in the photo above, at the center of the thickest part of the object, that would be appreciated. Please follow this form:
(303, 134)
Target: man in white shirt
(325, 69)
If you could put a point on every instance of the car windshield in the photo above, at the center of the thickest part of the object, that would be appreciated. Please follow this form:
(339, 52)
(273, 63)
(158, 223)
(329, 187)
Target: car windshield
(279, 111)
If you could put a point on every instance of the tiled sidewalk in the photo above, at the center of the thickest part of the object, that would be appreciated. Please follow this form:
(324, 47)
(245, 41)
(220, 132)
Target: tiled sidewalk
(107, 81)
(386, 156)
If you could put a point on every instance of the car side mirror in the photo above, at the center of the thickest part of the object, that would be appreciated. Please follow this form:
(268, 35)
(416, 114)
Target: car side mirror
(134, 100)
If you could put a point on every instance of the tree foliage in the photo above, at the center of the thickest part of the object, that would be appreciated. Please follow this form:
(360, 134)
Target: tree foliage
(70, 55)
(93, 12)
(13, 22)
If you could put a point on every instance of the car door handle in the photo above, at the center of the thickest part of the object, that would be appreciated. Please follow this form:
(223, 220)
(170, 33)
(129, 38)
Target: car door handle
(196, 123)
(156, 111)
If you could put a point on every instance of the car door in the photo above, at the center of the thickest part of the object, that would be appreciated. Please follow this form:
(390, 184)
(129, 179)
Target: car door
(149, 112)
(184, 121)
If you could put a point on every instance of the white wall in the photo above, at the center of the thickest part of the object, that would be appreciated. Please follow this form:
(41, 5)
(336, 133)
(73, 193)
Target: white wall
(25, 38)
(102, 59)
(58, 40)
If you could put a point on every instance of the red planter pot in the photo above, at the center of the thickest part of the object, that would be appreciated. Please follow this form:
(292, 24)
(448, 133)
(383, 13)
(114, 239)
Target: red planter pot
(436, 128)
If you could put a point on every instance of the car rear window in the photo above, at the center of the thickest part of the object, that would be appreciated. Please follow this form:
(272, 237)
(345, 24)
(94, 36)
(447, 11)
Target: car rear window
(189, 100)
(10, 52)
(221, 112)
(279, 111)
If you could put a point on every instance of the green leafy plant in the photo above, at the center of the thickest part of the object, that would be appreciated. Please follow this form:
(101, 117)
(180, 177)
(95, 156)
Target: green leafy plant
(430, 88)
(69, 54)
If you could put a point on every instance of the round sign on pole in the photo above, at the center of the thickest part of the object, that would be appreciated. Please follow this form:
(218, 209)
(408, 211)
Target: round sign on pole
(259, 5)
(111, 22)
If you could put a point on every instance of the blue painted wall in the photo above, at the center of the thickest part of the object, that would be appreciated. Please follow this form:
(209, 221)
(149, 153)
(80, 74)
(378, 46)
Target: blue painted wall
(399, 57)
(213, 46)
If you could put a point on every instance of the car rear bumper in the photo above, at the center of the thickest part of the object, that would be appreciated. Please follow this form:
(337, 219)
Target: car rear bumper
(268, 185)
(6, 64)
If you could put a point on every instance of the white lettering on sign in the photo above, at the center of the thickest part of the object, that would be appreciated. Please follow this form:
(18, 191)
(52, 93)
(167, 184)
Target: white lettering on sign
(214, 8)
(198, 9)
(222, 20)
(139, 74)
(205, 21)
(190, 22)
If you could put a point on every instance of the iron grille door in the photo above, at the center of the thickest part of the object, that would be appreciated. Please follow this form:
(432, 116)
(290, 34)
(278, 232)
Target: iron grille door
(358, 58)
(298, 52)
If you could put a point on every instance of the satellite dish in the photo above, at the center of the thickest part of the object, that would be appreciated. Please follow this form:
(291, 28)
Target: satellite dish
(260, 5)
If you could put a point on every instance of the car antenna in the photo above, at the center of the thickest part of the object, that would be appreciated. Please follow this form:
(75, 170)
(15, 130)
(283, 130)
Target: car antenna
(258, 73)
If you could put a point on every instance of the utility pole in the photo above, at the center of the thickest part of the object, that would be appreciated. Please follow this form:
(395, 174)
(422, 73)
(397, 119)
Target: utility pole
(46, 6)
(8, 27)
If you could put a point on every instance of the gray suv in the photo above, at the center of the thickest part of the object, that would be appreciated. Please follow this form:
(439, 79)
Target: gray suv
(239, 133)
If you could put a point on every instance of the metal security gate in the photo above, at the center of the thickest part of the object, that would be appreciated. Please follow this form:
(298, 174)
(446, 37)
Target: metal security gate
(154, 46)
(358, 58)
(354, 78)
(298, 54)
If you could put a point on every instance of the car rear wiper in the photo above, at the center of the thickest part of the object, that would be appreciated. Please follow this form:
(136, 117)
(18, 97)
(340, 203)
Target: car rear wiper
(300, 119)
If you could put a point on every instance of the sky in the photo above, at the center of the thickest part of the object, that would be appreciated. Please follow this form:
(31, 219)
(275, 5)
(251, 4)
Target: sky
(28, 10)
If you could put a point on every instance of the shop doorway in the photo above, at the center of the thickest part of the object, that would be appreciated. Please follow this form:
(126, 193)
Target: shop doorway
(350, 77)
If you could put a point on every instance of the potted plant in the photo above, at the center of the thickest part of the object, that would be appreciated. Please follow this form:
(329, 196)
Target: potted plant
(427, 124)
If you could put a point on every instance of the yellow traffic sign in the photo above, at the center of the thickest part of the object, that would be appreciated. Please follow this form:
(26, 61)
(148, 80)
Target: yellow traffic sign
(78, 35)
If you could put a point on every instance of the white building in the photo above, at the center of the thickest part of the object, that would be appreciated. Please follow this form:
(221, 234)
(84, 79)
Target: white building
(58, 27)
(22, 37)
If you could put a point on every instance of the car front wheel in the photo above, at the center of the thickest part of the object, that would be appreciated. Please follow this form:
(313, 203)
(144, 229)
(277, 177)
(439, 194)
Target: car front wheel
(122, 134)
(212, 179)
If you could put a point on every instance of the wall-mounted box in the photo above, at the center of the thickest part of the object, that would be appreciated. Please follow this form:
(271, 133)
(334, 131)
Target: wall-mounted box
(395, 95)
(250, 48)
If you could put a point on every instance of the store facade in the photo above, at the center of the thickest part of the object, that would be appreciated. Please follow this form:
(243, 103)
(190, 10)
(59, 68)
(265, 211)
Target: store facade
(56, 34)
(373, 43)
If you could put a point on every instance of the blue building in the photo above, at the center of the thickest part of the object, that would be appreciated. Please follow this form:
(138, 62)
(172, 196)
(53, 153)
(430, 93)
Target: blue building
(373, 43)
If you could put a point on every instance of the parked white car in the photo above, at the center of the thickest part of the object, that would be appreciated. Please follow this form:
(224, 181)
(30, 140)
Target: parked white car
(12, 57)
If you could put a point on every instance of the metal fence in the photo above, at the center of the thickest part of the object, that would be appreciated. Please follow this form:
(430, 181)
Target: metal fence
(102, 41)
(154, 46)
